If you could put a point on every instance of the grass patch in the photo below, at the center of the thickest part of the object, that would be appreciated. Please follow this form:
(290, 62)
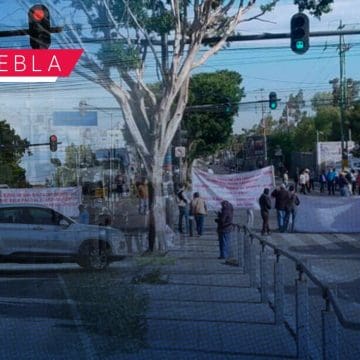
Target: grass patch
(153, 276)
(155, 260)
(111, 309)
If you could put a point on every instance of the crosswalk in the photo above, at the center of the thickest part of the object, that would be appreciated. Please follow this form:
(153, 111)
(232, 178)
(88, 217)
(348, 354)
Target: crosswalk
(318, 243)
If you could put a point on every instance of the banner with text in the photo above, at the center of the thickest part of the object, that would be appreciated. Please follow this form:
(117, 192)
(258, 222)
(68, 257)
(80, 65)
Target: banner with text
(328, 214)
(64, 200)
(242, 190)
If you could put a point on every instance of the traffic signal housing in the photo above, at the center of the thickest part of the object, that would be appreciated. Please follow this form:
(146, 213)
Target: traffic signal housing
(272, 100)
(53, 142)
(39, 27)
(299, 33)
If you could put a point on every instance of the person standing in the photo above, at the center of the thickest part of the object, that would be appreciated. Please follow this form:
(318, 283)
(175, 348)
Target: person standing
(291, 206)
(322, 181)
(281, 199)
(265, 206)
(331, 178)
(343, 185)
(286, 178)
(183, 206)
(353, 181)
(302, 182)
(224, 227)
(143, 195)
(84, 217)
(200, 211)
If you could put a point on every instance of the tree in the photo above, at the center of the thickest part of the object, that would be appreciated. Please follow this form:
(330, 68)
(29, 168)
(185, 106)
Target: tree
(76, 158)
(213, 101)
(127, 29)
(12, 148)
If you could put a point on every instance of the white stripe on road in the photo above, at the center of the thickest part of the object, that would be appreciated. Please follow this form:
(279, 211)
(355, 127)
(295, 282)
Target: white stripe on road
(306, 240)
(292, 240)
(349, 240)
(324, 241)
(85, 340)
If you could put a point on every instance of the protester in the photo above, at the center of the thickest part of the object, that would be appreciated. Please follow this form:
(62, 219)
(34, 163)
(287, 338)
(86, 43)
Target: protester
(343, 184)
(353, 182)
(191, 216)
(119, 182)
(302, 182)
(199, 209)
(281, 199)
(322, 181)
(143, 195)
(224, 227)
(105, 218)
(84, 217)
(265, 206)
(293, 202)
(358, 182)
(331, 179)
(307, 180)
(183, 206)
(296, 179)
(286, 178)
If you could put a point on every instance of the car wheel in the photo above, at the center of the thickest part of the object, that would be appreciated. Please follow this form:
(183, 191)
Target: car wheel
(94, 255)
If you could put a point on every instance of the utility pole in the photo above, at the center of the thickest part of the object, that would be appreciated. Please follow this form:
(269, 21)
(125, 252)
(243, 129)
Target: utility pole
(342, 50)
(263, 120)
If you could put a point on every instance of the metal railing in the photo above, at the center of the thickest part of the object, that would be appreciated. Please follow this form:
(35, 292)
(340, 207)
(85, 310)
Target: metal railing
(244, 252)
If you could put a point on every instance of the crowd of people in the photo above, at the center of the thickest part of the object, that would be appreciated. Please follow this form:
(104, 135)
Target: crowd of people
(346, 182)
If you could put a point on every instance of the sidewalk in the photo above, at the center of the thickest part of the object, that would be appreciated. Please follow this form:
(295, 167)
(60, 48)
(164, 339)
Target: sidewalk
(207, 310)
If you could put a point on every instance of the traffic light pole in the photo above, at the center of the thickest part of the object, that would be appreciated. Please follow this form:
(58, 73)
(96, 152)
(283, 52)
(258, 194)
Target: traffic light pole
(342, 50)
(21, 32)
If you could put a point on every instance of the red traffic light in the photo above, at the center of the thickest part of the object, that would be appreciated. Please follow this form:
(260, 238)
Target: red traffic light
(37, 13)
(53, 143)
(39, 27)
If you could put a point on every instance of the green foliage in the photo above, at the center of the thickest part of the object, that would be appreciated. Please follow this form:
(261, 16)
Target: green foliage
(316, 8)
(12, 148)
(110, 309)
(119, 54)
(214, 98)
(161, 24)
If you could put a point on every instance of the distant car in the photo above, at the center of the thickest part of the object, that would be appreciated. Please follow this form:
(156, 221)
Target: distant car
(35, 233)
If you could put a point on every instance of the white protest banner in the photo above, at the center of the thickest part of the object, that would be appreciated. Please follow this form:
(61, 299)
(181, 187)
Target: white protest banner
(64, 200)
(317, 214)
(242, 190)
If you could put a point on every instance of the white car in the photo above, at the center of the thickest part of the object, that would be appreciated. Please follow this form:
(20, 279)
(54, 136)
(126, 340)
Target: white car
(35, 233)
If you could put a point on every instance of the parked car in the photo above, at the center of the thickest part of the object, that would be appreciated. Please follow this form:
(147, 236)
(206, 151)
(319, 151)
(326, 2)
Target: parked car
(36, 233)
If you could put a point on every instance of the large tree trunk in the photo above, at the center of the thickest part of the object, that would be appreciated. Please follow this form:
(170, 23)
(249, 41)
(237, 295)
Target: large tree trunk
(157, 218)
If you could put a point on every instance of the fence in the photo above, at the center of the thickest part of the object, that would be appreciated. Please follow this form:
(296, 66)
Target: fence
(312, 319)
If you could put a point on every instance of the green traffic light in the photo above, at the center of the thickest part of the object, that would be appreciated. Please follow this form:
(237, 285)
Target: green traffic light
(299, 45)
(273, 106)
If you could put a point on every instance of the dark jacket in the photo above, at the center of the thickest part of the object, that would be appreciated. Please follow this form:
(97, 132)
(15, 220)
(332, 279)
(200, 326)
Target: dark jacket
(293, 202)
(265, 203)
(281, 198)
(225, 217)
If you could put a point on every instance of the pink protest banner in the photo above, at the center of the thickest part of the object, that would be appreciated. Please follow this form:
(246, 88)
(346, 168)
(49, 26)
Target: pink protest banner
(65, 200)
(242, 190)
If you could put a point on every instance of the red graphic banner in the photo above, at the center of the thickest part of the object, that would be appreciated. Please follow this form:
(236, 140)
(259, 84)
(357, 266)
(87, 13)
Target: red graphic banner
(38, 63)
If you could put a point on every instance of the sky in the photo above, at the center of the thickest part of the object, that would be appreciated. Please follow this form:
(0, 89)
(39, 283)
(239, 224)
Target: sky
(264, 65)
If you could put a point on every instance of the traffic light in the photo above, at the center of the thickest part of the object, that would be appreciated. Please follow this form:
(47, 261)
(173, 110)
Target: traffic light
(39, 27)
(272, 100)
(53, 143)
(299, 34)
